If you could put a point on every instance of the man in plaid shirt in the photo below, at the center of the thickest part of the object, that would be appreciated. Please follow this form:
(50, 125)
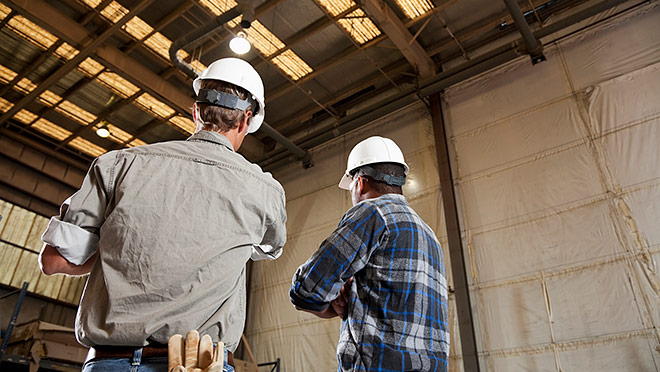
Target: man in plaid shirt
(381, 270)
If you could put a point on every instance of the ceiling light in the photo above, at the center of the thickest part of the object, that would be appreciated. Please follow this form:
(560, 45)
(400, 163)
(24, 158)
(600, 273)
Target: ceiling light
(240, 44)
(103, 132)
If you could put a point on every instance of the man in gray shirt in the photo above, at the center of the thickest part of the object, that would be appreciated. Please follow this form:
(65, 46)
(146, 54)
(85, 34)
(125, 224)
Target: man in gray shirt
(166, 230)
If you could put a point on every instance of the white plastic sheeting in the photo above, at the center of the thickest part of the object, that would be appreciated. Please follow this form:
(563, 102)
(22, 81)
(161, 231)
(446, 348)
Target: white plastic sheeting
(558, 185)
(558, 178)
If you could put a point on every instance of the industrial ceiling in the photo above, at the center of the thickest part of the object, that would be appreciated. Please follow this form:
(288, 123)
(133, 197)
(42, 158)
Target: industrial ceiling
(69, 67)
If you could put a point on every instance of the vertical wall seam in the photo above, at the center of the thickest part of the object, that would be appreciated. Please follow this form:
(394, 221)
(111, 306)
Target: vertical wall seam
(548, 313)
(620, 214)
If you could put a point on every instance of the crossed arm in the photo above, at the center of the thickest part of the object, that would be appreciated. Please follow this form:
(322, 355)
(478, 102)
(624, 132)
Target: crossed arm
(52, 262)
(337, 306)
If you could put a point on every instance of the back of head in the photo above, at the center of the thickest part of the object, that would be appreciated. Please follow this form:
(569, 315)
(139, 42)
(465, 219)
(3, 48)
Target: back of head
(227, 89)
(218, 118)
(383, 178)
(381, 160)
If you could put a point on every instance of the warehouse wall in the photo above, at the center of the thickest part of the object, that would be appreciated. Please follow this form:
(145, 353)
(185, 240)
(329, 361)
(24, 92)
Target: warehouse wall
(558, 170)
(557, 173)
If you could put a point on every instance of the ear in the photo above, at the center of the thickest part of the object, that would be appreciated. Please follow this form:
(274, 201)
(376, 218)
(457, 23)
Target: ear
(362, 185)
(243, 125)
(195, 114)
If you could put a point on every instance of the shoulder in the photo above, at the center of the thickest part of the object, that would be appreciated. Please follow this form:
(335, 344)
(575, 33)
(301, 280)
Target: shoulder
(255, 171)
(365, 210)
(143, 149)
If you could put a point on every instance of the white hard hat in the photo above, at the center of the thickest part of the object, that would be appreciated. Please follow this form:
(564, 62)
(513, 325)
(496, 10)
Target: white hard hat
(370, 151)
(240, 73)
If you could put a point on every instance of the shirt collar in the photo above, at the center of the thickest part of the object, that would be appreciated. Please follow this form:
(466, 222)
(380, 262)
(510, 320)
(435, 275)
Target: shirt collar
(213, 137)
(396, 198)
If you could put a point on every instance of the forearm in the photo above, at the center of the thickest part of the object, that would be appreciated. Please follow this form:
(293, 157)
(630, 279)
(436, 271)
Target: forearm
(328, 313)
(52, 262)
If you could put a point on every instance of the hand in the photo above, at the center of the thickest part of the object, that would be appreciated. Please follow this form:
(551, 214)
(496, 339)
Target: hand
(339, 304)
(194, 354)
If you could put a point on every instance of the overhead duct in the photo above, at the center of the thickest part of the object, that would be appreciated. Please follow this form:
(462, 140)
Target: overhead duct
(496, 57)
(245, 8)
(534, 46)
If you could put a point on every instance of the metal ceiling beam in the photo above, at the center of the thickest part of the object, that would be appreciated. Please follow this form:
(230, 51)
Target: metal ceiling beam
(350, 52)
(99, 118)
(33, 182)
(350, 38)
(328, 65)
(65, 95)
(152, 124)
(28, 202)
(306, 32)
(35, 63)
(4, 132)
(287, 124)
(41, 162)
(160, 25)
(482, 63)
(73, 63)
(479, 29)
(465, 34)
(390, 23)
(73, 33)
(30, 67)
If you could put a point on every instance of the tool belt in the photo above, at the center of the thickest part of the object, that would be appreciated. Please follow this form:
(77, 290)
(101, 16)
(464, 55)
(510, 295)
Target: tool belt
(149, 351)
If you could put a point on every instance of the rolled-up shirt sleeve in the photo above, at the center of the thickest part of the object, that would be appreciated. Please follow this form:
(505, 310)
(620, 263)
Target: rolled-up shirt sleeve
(274, 238)
(75, 232)
(345, 252)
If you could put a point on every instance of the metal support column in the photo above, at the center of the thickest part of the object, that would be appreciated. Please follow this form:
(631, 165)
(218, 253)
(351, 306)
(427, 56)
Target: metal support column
(461, 289)
(12, 321)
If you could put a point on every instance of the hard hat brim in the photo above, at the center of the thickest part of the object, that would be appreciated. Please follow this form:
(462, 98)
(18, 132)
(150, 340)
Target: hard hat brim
(345, 182)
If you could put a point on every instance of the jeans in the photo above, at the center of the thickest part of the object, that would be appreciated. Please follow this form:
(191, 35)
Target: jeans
(136, 364)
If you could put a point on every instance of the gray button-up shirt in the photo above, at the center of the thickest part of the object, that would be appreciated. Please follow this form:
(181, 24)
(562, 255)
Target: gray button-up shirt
(174, 224)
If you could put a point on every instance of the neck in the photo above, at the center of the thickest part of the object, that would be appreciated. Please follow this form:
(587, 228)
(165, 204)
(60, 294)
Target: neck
(234, 137)
(369, 194)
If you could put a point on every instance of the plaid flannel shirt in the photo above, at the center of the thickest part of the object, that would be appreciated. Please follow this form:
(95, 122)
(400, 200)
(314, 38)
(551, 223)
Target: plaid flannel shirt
(397, 312)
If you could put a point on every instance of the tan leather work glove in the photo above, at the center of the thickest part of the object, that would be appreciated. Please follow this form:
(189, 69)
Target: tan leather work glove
(194, 354)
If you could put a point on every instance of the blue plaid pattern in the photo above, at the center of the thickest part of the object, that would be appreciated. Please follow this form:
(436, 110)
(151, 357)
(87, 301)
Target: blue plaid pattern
(397, 313)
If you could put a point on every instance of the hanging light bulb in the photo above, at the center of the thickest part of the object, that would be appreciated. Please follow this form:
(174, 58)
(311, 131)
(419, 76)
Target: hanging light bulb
(103, 132)
(240, 44)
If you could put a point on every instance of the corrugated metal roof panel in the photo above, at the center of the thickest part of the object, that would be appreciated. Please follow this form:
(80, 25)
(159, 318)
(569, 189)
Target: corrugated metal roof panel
(414, 8)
